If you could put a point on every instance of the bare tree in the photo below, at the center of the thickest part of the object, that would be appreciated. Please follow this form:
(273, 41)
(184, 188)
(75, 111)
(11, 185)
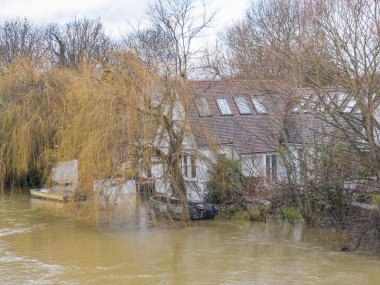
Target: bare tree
(152, 47)
(166, 47)
(215, 62)
(20, 39)
(79, 40)
(352, 35)
(274, 39)
(331, 50)
(172, 28)
(329, 46)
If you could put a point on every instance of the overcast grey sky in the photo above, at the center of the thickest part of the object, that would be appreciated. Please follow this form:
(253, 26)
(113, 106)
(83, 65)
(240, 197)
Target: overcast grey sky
(114, 14)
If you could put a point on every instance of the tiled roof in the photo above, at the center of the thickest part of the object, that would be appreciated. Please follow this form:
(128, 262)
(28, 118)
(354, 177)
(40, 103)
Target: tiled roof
(250, 133)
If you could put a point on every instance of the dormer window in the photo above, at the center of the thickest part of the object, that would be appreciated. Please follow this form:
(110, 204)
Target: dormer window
(242, 106)
(223, 106)
(260, 108)
(202, 107)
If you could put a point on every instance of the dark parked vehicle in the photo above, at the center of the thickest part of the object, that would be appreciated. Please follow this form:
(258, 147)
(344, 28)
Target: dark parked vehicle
(210, 211)
(202, 211)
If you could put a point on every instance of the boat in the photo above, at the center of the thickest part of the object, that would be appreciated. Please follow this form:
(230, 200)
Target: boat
(57, 194)
(50, 194)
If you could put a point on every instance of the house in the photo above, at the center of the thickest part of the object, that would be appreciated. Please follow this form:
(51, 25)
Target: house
(228, 117)
(244, 122)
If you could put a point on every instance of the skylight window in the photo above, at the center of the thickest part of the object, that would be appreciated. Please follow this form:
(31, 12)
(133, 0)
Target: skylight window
(340, 99)
(242, 106)
(315, 103)
(326, 99)
(260, 108)
(223, 106)
(350, 105)
(202, 107)
(299, 106)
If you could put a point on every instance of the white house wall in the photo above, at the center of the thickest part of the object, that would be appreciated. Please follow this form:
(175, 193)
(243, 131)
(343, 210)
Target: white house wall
(253, 165)
(161, 185)
(294, 159)
(203, 162)
(196, 189)
(281, 170)
(114, 191)
(377, 130)
(195, 192)
(230, 152)
(66, 173)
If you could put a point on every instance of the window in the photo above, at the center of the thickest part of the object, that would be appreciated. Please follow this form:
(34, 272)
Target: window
(271, 167)
(260, 108)
(188, 166)
(202, 107)
(299, 106)
(350, 106)
(326, 99)
(242, 105)
(305, 104)
(223, 106)
(340, 99)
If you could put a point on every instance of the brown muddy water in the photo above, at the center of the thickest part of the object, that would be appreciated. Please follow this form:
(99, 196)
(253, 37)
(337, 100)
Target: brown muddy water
(41, 245)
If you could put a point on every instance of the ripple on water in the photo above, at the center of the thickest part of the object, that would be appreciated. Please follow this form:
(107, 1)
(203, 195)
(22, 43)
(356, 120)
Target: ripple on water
(19, 229)
(23, 270)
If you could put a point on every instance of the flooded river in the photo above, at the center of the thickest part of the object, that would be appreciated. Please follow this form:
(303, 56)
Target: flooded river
(39, 245)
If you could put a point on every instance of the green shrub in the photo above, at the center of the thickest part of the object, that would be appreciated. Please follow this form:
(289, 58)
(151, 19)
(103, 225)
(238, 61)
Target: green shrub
(290, 214)
(375, 199)
(226, 181)
(232, 210)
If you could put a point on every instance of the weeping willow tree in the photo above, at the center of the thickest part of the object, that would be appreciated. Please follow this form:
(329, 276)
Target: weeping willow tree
(115, 116)
(104, 127)
(115, 120)
(28, 123)
(87, 113)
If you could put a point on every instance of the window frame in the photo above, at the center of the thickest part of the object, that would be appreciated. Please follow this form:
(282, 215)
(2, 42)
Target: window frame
(349, 106)
(224, 99)
(203, 107)
(271, 167)
(299, 107)
(259, 106)
(189, 167)
(243, 103)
